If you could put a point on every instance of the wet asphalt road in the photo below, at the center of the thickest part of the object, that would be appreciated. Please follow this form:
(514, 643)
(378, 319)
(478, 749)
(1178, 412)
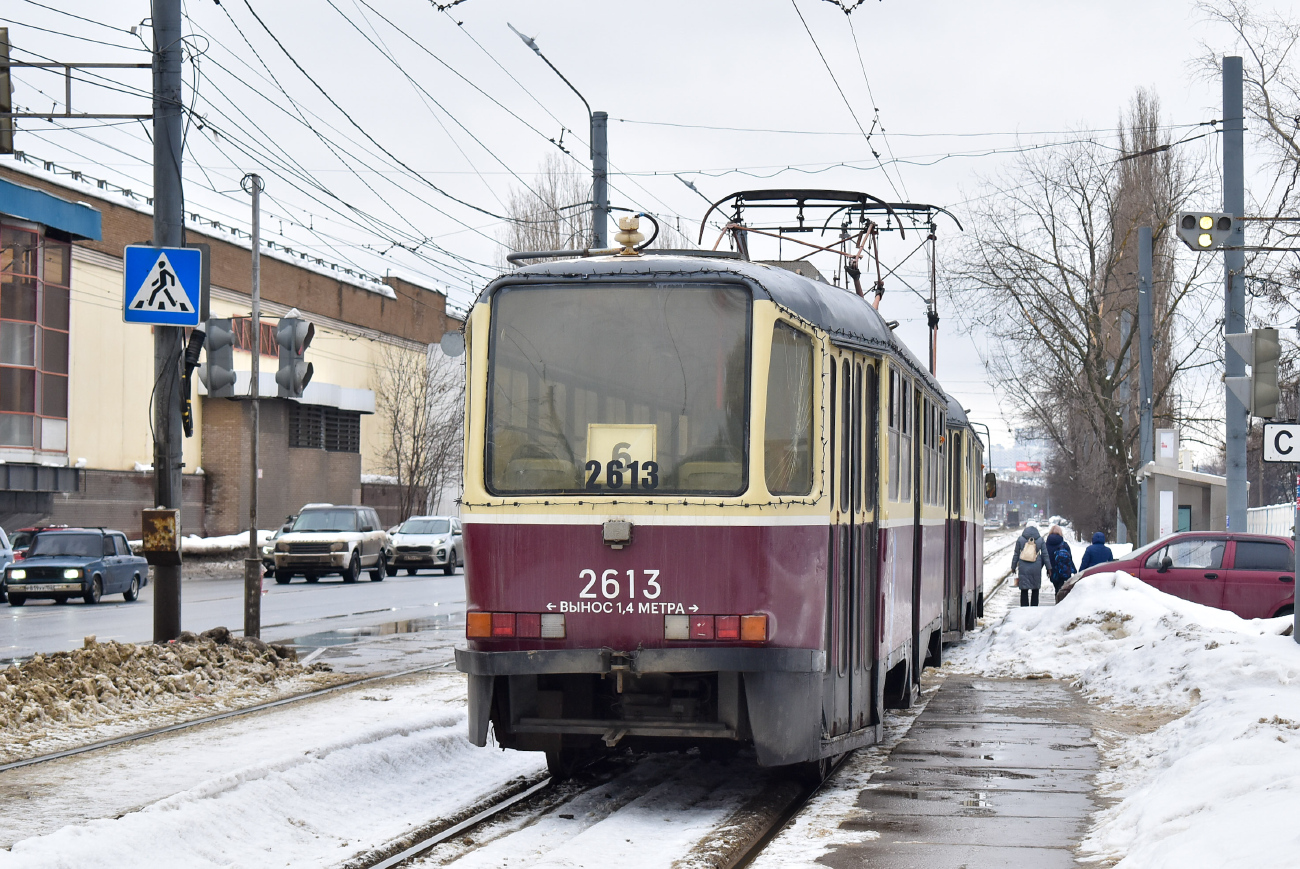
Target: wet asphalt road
(215, 597)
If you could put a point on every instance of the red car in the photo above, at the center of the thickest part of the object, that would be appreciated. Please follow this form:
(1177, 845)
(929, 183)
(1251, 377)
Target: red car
(1252, 575)
(22, 538)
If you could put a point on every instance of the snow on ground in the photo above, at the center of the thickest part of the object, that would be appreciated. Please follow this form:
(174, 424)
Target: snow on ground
(1219, 784)
(308, 785)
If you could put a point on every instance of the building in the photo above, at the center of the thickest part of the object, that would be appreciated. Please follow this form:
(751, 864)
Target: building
(76, 381)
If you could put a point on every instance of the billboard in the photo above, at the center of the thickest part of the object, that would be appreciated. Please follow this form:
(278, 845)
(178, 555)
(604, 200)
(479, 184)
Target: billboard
(1031, 467)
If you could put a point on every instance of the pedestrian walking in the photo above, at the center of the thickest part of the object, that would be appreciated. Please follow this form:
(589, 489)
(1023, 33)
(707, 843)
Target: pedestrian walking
(1029, 561)
(1060, 560)
(1097, 553)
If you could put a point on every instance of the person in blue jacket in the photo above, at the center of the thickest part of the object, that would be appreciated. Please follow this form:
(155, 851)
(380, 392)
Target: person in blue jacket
(1097, 553)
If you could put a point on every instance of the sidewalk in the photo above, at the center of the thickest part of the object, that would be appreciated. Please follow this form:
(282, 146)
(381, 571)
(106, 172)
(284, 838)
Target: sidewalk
(994, 773)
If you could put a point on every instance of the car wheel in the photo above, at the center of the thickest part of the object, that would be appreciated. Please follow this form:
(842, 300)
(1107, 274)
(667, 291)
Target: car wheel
(311, 577)
(380, 570)
(353, 570)
(451, 564)
(282, 578)
(133, 592)
(392, 571)
(1284, 611)
(96, 591)
(16, 599)
(412, 571)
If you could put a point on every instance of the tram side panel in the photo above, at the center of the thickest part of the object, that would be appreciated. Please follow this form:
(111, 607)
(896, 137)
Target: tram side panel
(897, 549)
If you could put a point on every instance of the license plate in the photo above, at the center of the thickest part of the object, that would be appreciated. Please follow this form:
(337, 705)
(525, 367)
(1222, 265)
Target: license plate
(45, 586)
(410, 558)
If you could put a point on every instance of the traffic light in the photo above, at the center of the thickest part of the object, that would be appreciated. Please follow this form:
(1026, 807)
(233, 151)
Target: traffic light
(294, 337)
(1260, 349)
(1201, 231)
(218, 373)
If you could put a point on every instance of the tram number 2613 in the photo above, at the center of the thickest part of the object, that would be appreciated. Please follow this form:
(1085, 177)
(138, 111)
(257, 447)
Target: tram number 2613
(633, 475)
(609, 584)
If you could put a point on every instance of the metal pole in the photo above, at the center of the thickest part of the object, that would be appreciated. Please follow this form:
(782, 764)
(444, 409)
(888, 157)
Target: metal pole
(1146, 436)
(253, 563)
(599, 179)
(168, 231)
(1295, 532)
(1234, 264)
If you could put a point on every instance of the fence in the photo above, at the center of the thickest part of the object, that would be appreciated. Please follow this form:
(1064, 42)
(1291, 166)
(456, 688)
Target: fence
(1277, 519)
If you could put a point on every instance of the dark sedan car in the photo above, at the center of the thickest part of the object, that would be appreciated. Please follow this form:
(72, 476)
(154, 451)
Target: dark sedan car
(83, 562)
(1251, 575)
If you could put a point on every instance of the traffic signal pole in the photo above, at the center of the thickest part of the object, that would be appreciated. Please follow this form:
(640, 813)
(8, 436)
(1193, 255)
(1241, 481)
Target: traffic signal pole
(168, 231)
(1234, 264)
(253, 563)
(1146, 435)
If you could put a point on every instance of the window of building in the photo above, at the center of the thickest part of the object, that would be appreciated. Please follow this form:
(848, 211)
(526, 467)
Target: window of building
(35, 273)
(314, 427)
(242, 327)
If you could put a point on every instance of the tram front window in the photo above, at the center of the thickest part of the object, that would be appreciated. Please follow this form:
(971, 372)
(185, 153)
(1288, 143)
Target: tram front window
(618, 389)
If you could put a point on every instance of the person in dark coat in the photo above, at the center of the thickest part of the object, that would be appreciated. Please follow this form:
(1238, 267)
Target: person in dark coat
(1097, 553)
(1029, 572)
(1055, 543)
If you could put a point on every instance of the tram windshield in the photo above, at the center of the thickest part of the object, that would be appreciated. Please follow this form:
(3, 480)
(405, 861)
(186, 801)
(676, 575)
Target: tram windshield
(619, 389)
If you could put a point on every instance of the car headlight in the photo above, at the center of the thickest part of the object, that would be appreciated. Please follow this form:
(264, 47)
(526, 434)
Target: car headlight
(338, 547)
(282, 546)
(18, 574)
(72, 573)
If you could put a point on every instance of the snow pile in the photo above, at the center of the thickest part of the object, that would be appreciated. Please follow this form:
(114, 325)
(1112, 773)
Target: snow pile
(1218, 785)
(110, 680)
(196, 545)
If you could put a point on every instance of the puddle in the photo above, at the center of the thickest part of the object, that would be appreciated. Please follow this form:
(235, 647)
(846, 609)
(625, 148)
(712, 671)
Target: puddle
(344, 636)
(978, 801)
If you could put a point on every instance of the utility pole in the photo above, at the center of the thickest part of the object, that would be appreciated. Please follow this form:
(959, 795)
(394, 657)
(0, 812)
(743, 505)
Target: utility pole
(1146, 439)
(253, 563)
(1234, 265)
(599, 121)
(168, 231)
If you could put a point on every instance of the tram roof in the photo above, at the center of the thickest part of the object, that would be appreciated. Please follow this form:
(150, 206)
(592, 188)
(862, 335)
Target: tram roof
(847, 317)
(956, 414)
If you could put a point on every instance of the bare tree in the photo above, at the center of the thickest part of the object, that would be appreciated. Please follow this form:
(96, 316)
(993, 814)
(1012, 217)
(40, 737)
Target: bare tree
(1049, 274)
(420, 400)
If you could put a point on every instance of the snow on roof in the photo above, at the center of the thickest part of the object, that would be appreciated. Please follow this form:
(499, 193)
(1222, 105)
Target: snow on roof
(140, 202)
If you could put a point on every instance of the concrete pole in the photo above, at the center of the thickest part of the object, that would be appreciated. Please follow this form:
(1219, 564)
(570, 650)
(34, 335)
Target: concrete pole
(1234, 264)
(1146, 436)
(253, 563)
(599, 179)
(168, 231)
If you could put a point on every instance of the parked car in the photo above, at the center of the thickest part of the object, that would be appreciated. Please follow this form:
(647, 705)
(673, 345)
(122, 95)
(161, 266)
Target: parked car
(427, 542)
(268, 548)
(77, 562)
(23, 538)
(6, 558)
(328, 539)
(1252, 575)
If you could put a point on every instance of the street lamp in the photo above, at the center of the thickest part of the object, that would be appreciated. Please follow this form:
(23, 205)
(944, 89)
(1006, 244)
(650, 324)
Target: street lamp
(599, 152)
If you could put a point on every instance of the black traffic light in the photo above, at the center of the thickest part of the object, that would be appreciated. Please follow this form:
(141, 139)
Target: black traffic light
(294, 337)
(218, 373)
(1205, 231)
(1260, 349)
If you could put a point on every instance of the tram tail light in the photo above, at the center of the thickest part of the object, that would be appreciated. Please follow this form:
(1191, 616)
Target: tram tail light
(677, 627)
(727, 627)
(528, 624)
(753, 628)
(701, 627)
(478, 624)
(503, 624)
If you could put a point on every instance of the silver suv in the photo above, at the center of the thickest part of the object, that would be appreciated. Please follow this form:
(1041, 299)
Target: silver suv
(427, 542)
(327, 539)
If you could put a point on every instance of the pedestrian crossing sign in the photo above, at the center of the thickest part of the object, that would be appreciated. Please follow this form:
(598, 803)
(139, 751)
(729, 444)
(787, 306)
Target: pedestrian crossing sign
(163, 285)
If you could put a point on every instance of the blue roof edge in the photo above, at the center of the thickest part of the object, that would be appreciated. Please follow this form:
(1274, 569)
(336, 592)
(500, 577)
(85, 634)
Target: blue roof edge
(27, 203)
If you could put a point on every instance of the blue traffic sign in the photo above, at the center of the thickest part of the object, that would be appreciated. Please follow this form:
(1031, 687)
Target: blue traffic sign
(162, 285)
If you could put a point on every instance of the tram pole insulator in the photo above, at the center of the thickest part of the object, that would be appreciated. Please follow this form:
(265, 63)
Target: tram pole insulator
(628, 235)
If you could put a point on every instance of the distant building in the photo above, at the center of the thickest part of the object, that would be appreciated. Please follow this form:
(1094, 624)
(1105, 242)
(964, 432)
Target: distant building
(75, 380)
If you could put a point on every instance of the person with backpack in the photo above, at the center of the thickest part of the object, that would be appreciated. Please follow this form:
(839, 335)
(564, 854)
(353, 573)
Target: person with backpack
(1060, 560)
(1028, 562)
(1097, 553)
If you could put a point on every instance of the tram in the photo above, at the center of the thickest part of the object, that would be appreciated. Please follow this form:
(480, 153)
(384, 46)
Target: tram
(707, 501)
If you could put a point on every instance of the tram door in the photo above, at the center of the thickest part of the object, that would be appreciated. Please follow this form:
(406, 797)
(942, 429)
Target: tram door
(953, 617)
(851, 694)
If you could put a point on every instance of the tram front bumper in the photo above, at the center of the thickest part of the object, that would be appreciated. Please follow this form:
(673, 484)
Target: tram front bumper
(682, 660)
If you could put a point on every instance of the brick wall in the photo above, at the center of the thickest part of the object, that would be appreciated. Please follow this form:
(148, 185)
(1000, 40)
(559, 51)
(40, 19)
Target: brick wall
(290, 477)
(114, 499)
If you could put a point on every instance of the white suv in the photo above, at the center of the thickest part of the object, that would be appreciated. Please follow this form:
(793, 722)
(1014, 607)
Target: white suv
(328, 539)
(427, 541)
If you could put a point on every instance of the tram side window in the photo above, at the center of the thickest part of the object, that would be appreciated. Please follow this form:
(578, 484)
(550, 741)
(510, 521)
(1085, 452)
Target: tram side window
(907, 426)
(895, 421)
(788, 436)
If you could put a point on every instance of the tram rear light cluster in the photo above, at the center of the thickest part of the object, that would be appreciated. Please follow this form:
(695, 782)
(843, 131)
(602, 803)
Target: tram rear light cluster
(547, 626)
(752, 628)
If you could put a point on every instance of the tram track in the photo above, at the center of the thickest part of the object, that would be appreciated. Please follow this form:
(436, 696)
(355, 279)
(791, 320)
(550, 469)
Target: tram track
(220, 716)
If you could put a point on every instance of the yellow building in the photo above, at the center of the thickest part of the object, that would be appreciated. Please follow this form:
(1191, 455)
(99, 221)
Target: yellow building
(75, 380)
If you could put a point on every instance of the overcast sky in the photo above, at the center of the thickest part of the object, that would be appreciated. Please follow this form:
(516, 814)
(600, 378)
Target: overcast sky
(453, 101)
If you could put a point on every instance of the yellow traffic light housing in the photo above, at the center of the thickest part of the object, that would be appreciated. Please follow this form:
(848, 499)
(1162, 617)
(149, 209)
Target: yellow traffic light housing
(1205, 231)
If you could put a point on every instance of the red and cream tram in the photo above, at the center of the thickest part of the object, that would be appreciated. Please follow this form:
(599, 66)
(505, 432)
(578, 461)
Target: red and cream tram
(706, 499)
